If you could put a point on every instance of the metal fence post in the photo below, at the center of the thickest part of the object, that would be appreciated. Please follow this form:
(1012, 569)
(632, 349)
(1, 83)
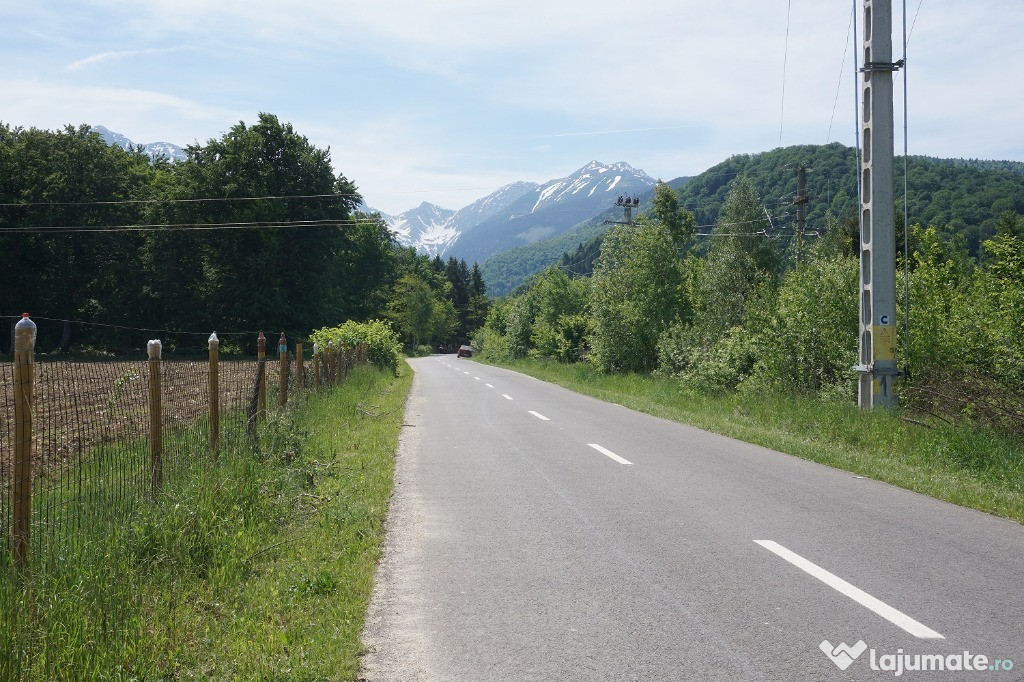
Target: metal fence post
(21, 530)
(214, 395)
(282, 378)
(153, 348)
(261, 354)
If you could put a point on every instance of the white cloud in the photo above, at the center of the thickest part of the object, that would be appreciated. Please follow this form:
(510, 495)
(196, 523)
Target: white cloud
(122, 54)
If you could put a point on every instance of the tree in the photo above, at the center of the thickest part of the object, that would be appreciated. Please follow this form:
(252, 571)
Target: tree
(636, 293)
(742, 257)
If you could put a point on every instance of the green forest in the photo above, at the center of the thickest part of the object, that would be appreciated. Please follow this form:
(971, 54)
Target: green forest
(252, 232)
(737, 311)
(963, 198)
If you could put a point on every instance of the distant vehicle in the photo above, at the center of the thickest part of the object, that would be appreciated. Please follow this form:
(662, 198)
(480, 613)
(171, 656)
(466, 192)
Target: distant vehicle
(465, 351)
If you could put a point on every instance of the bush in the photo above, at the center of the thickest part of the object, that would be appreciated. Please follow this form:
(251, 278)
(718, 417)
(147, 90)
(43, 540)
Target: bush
(383, 346)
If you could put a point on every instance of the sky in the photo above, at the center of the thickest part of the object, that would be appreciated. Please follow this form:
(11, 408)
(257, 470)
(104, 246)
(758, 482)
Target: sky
(447, 100)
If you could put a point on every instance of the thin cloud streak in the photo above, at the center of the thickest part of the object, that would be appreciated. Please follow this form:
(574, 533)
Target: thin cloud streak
(623, 130)
(122, 54)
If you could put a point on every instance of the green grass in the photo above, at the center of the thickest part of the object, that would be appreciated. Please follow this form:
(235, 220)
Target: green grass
(966, 464)
(258, 567)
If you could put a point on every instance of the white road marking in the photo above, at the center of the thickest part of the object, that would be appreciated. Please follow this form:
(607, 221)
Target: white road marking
(477, 378)
(609, 453)
(892, 615)
(489, 386)
(506, 396)
(465, 372)
(538, 415)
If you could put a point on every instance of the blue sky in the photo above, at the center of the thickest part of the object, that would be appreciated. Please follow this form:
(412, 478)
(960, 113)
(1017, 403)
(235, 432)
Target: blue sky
(447, 100)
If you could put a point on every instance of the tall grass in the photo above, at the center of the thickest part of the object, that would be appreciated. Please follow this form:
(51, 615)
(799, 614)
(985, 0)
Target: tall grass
(964, 463)
(258, 566)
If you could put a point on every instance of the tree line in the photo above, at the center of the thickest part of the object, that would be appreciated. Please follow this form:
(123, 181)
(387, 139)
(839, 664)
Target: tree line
(739, 312)
(253, 230)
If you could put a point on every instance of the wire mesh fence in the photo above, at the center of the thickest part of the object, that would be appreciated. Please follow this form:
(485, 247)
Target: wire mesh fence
(93, 456)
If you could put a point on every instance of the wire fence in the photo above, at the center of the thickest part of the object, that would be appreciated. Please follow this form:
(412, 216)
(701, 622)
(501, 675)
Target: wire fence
(105, 434)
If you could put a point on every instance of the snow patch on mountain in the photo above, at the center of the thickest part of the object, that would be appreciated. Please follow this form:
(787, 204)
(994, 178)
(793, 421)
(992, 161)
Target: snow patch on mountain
(154, 150)
(523, 211)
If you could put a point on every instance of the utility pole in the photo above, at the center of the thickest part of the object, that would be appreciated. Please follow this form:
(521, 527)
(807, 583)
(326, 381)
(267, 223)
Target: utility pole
(627, 204)
(801, 212)
(877, 366)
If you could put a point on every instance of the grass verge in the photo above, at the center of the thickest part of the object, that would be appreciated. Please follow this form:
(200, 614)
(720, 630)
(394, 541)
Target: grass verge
(258, 567)
(969, 465)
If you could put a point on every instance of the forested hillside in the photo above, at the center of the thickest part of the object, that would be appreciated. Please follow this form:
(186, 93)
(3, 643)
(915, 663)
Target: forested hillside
(253, 231)
(964, 198)
(737, 311)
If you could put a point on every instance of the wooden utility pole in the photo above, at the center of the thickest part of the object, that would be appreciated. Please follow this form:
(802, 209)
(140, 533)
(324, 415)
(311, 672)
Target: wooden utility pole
(801, 212)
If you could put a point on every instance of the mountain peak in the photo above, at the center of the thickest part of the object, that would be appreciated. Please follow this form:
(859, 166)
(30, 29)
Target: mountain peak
(154, 150)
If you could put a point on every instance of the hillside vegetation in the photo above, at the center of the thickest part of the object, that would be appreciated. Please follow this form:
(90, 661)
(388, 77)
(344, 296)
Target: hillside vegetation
(738, 312)
(963, 198)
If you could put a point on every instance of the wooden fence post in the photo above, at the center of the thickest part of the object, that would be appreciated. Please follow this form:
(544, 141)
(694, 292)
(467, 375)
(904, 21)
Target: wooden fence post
(301, 383)
(316, 366)
(261, 355)
(282, 377)
(330, 363)
(214, 395)
(153, 348)
(21, 530)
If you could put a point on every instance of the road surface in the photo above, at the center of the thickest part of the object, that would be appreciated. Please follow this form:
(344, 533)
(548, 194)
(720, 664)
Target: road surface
(537, 534)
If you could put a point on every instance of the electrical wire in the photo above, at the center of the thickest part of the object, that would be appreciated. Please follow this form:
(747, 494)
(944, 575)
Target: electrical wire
(785, 59)
(123, 202)
(171, 332)
(842, 68)
(181, 227)
(913, 24)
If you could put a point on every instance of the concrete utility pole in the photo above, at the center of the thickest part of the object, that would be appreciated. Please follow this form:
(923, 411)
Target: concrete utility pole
(801, 212)
(877, 366)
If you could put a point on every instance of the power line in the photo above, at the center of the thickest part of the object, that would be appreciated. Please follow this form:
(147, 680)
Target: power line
(182, 227)
(914, 23)
(136, 329)
(785, 58)
(842, 68)
(122, 202)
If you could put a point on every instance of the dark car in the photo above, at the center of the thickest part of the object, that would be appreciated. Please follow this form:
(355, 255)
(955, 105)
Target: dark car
(465, 351)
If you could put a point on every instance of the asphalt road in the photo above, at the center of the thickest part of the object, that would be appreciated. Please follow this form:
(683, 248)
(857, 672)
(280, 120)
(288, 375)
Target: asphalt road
(537, 534)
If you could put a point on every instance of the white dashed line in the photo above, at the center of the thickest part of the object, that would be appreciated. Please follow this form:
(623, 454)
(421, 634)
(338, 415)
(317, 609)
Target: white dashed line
(477, 378)
(506, 396)
(538, 415)
(609, 453)
(858, 595)
(489, 386)
(465, 372)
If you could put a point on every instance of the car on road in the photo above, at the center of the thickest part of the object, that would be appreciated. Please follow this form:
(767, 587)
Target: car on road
(465, 351)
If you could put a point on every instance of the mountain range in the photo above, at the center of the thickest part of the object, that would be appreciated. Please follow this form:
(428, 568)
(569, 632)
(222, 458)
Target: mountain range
(154, 150)
(518, 214)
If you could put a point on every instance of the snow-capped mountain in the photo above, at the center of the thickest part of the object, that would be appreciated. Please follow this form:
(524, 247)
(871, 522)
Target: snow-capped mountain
(154, 150)
(427, 227)
(519, 213)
